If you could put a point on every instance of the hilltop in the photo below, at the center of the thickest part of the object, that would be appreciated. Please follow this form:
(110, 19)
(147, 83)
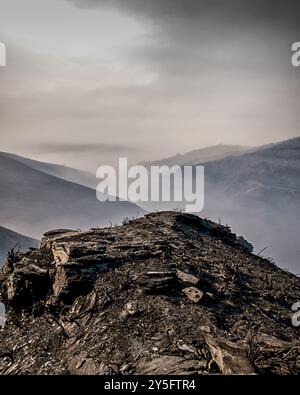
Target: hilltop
(167, 293)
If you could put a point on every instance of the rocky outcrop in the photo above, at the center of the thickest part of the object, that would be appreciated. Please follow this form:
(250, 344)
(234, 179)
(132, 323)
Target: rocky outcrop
(169, 293)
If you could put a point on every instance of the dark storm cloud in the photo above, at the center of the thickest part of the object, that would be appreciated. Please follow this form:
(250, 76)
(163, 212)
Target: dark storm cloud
(66, 148)
(194, 36)
(233, 54)
(229, 9)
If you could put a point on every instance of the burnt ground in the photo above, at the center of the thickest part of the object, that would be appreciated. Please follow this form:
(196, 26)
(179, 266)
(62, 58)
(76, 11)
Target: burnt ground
(169, 293)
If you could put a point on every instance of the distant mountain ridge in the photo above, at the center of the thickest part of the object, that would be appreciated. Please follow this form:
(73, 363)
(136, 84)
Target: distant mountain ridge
(202, 155)
(64, 172)
(265, 176)
(256, 192)
(32, 201)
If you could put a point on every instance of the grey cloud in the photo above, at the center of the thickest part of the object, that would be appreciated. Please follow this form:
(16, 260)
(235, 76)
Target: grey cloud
(195, 73)
(229, 9)
(192, 34)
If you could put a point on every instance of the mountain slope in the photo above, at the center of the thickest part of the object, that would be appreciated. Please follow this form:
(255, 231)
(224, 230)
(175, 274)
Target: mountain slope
(258, 194)
(165, 294)
(268, 176)
(66, 173)
(10, 239)
(202, 155)
(32, 201)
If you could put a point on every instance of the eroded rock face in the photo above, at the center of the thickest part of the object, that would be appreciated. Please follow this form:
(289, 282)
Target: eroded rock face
(27, 280)
(166, 294)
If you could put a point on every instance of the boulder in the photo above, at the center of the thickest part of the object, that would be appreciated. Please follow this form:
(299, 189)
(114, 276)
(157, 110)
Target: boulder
(195, 295)
(156, 282)
(186, 278)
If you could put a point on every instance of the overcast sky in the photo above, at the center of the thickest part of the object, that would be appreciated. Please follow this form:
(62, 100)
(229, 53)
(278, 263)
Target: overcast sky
(88, 81)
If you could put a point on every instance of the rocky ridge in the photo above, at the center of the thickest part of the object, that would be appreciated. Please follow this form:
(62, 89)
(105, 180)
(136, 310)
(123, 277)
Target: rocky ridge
(169, 293)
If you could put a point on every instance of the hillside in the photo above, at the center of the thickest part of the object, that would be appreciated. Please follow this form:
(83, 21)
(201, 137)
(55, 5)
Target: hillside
(269, 176)
(10, 239)
(169, 293)
(31, 201)
(64, 172)
(202, 155)
(258, 194)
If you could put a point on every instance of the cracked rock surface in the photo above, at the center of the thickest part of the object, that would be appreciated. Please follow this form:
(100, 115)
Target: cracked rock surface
(169, 293)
